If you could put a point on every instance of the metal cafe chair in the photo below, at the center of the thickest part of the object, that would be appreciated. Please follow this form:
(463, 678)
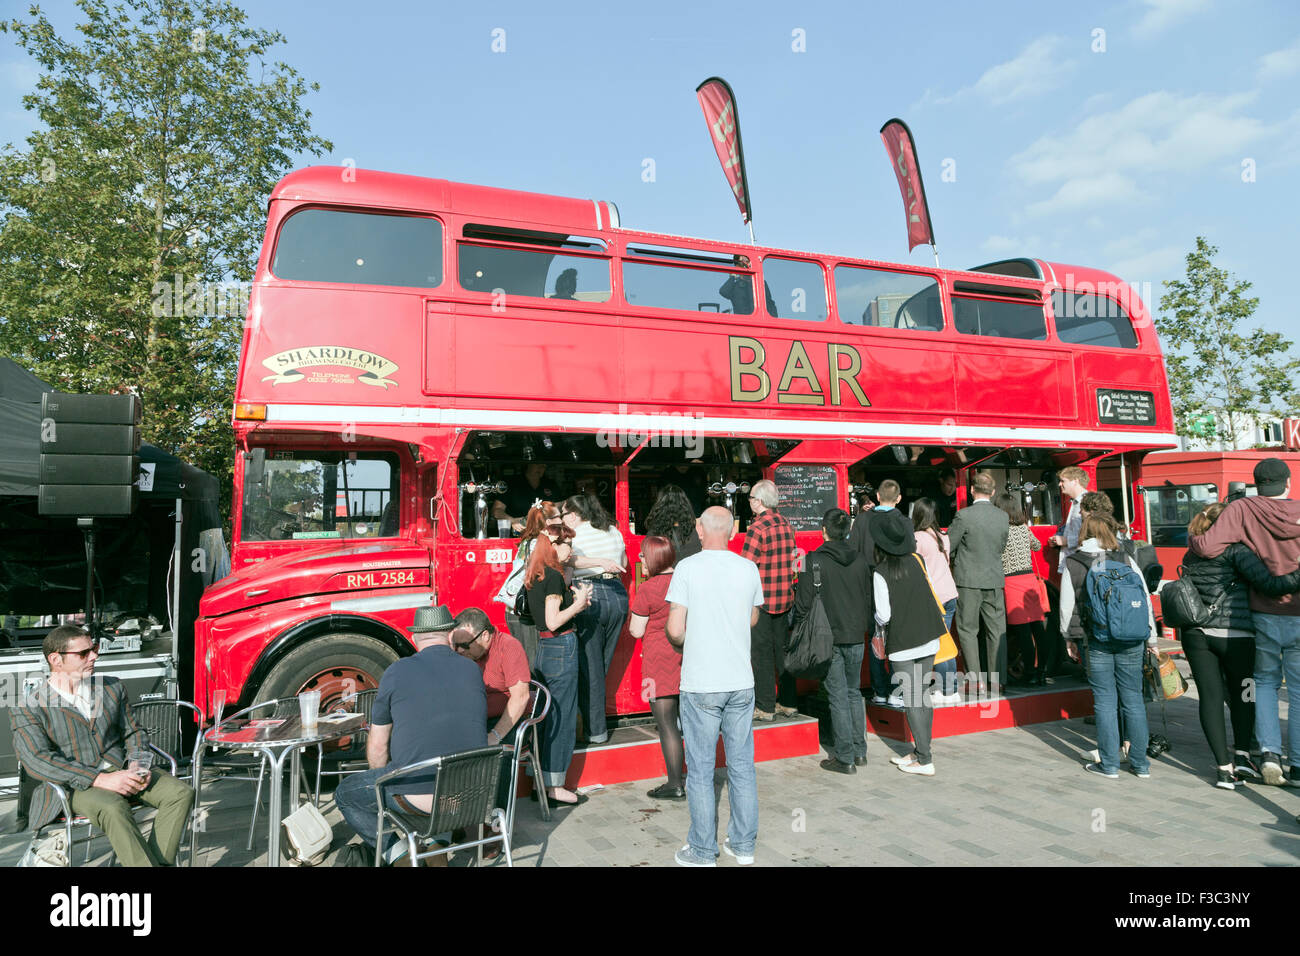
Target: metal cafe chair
(526, 748)
(464, 792)
(352, 760)
(283, 707)
(28, 787)
(161, 720)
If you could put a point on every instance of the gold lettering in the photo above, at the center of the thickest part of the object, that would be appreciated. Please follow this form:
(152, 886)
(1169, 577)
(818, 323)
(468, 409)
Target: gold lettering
(846, 375)
(741, 368)
(798, 365)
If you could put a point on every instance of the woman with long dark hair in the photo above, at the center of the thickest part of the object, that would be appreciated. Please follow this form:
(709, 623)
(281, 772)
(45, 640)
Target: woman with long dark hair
(1025, 610)
(661, 660)
(673, 517)
(554, 606)
(909, 620)
(539, 519)
(599, 558)
(932, 546)
(1222, 650)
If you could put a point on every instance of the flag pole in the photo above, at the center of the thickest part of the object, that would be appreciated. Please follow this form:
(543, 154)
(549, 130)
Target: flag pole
(935, 250)
(750, 224)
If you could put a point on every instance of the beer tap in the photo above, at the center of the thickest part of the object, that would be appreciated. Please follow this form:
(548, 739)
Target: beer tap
(728, 493)
(480, 491)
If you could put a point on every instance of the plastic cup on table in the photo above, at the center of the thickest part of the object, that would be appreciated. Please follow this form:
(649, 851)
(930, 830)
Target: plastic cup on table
(309, 708)
(139, 762)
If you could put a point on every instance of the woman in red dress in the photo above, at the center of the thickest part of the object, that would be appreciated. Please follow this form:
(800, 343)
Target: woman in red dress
(661, 662)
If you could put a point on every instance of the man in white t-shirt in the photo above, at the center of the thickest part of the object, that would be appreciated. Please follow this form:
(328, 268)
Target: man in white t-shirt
(715, 596)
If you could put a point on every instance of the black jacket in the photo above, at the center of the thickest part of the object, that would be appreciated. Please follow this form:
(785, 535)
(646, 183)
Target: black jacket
(846, 590)
(1225, 583)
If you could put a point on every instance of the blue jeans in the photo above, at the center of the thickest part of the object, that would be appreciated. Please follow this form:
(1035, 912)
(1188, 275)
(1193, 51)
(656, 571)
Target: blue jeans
(598, 629)
(1115, 671)
(881, 683)
(704, 717)
(1277, 649)
(355, 798)
(557, 662)
(947, 671)
(848, 713)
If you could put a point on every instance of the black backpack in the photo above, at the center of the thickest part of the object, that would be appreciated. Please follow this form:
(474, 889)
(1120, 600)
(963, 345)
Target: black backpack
(808, 653)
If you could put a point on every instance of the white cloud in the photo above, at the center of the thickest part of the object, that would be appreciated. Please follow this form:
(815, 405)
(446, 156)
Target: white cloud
(1162, 14)
(1279, 63)
(1041, 66)
(1001, 246)
(1117, 156)
(1152, 267)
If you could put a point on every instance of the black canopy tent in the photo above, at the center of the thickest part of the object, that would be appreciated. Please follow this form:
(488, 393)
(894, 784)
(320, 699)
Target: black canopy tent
(42, 559)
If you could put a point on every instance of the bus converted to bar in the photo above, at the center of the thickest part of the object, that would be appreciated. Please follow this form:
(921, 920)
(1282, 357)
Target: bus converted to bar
(413, 345)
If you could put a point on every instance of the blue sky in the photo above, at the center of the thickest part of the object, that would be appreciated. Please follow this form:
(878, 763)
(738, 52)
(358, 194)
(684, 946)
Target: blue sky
(1112, 149)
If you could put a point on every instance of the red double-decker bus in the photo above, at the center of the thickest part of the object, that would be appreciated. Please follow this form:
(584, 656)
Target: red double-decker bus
(413, 343)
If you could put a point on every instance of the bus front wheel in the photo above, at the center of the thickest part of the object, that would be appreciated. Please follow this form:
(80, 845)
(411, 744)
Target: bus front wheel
(337, 665)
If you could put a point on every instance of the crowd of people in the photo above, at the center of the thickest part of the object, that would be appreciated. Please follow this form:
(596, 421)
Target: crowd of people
(715, 628)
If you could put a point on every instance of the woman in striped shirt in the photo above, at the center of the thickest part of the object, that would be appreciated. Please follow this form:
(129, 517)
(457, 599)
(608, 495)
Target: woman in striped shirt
(1025, 609)
(600, 557)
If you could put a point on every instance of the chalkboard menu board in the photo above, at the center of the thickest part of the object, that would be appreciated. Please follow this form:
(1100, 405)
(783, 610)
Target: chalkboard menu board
(807, 493)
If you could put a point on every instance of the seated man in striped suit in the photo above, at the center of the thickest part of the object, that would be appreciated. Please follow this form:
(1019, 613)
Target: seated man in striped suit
(76, 731)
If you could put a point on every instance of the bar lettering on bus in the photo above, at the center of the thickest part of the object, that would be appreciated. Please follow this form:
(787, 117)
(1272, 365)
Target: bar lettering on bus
(749, 357)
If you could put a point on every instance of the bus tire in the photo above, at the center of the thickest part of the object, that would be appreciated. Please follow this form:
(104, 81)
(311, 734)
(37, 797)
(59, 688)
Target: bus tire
(334, 664)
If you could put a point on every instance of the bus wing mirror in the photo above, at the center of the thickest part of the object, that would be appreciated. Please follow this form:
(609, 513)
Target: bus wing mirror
(256, 473)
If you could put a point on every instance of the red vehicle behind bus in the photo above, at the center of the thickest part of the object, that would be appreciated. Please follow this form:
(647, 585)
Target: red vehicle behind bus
(414, 343)
(1179, 484)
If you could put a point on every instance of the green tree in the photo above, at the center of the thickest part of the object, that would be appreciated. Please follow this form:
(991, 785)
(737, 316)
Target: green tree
(164, 128)
(1217, 365)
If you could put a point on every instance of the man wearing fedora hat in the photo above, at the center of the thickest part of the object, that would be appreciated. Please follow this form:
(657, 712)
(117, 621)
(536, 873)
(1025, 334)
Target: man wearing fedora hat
(1269, 524)
(429, 705)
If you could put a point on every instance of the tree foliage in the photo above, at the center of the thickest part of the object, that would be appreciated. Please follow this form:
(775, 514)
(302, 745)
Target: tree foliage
(1217, 365)
(164, 127)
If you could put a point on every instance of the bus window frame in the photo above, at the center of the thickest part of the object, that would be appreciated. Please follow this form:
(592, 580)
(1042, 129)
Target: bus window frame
(608, 256)
(761, 274)
(945, 299)
(1048, 329)
(360, 286)
(1055, 335)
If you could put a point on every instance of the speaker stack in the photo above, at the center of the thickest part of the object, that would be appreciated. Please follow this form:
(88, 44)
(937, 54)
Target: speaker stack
(90, 448)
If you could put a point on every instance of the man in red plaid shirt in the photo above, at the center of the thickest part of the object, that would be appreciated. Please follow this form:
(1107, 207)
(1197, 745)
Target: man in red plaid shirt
(769, 543)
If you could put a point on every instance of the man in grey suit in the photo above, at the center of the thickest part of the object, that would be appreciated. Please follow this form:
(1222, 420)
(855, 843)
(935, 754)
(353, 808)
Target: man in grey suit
(976, 539)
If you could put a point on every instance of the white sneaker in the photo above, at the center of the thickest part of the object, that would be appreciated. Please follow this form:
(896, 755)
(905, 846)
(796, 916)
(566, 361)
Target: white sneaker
(744, 859)
(900, 759)
(879, 701)
(924, 769)
(951, 699)
(895, 701)
(1272, 771)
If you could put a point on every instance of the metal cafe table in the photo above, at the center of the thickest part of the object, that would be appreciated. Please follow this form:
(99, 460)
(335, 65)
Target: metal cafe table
(287, 738)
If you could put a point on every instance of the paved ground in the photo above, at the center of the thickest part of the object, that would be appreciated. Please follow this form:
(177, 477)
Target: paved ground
(1000, 798)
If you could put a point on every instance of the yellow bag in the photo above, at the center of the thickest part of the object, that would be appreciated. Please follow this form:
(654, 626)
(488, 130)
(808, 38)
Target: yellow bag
(947, 646)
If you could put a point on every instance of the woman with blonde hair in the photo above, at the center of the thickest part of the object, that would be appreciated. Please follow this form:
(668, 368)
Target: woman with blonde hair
(1114, 667)
(1222, 650)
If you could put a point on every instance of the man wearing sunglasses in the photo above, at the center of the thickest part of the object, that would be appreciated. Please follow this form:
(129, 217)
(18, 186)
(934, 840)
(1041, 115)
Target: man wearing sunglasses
(76, 731)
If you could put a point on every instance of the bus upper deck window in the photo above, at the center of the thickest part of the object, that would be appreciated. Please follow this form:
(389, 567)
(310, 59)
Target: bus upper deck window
(881, 298)
(796, 289)
(1089, 319)
(539, 275)
(327, 245)
(997, 319)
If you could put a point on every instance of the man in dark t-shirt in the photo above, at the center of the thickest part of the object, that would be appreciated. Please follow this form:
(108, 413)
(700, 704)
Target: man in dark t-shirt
(429, 705)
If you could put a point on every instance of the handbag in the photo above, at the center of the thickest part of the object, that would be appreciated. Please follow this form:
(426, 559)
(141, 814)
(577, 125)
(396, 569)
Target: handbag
(947, 646)
(808, 653)
(1181, 604)
(305, 836)
(49, 851)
